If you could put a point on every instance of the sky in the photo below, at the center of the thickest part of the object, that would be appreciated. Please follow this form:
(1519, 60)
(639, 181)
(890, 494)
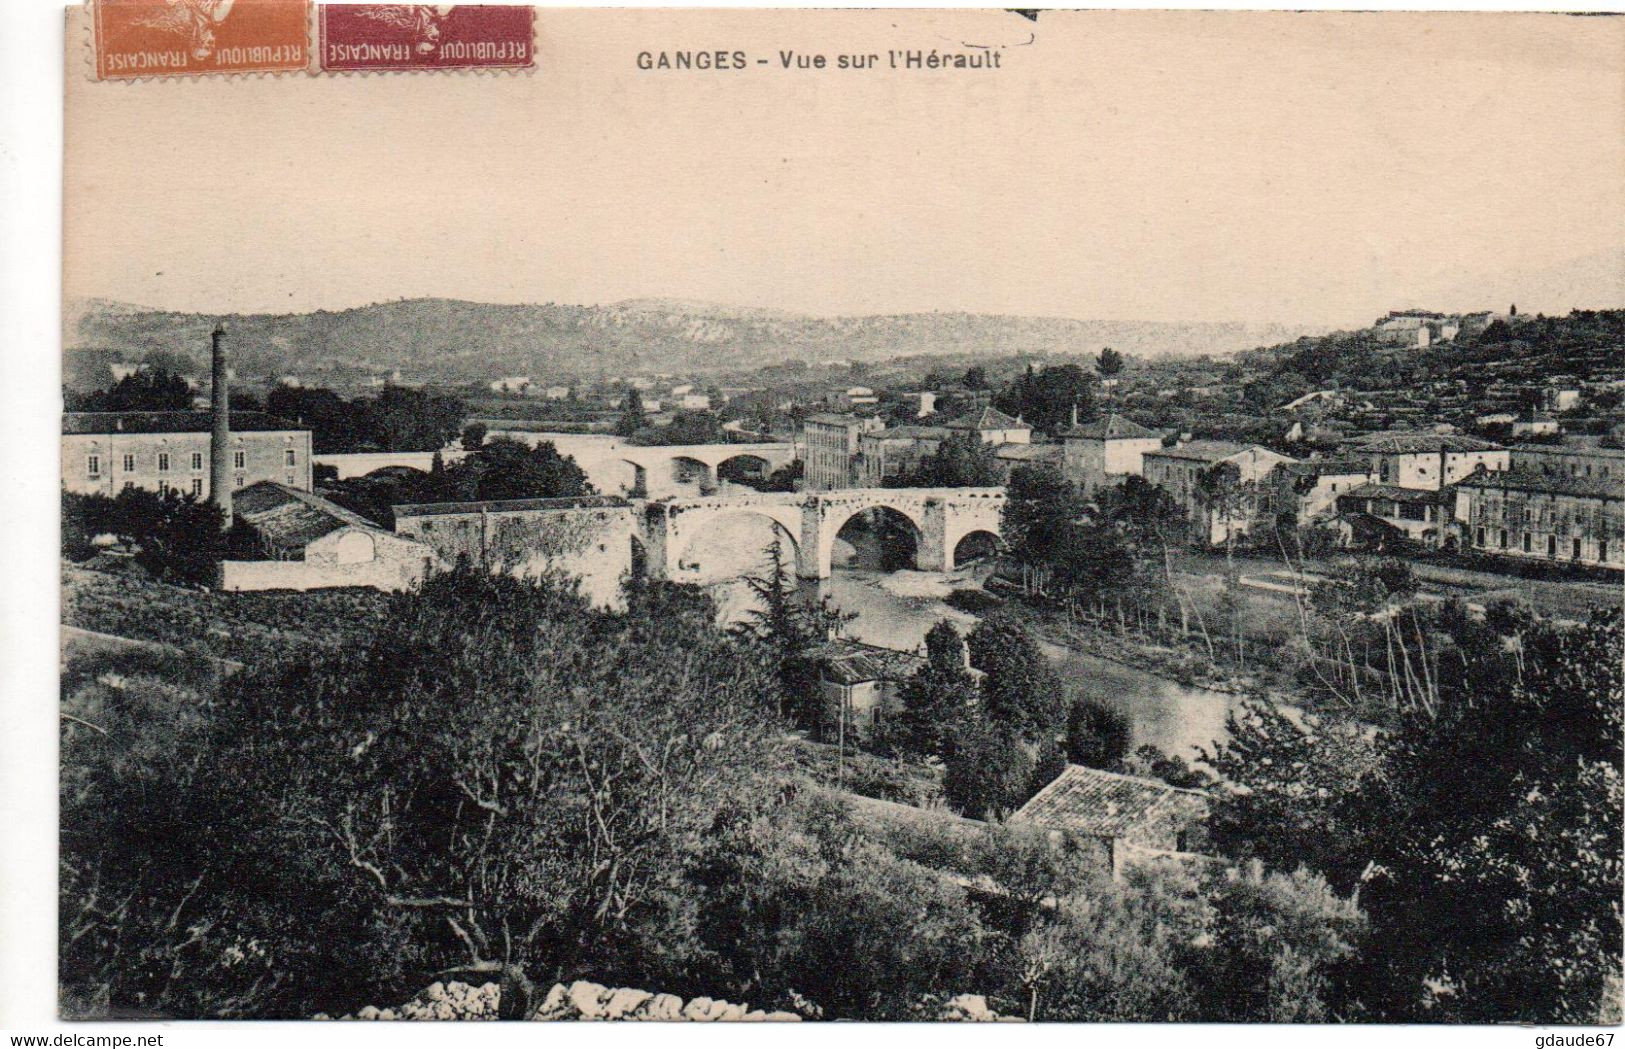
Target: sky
(1315, 169)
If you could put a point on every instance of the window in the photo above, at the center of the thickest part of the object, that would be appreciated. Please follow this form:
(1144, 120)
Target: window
(1480, 538)
(240, 461)
(1551, 546)
(1602, 549)
(163, 462)
(129, 464)
(1503, 539)
(128, 485)
(1576, 554)
(1527, 542)
(197, 460)
(289, 457)
(197, 486)
(239, 478)
(93, 465)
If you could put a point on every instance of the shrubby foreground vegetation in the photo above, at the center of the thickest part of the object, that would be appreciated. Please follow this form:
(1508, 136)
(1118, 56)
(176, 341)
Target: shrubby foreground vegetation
(491, 781)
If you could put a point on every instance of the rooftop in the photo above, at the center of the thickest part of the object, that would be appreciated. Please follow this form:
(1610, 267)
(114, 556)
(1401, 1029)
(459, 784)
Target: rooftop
(585, 502)
(1112, 428)
(988, 418)
(1419, 443)
(287, 518)
(1030, 453)
(910, 432)
(1525, 480)
(1322, 467)
(1203, 451)
(1373, 490)
(1105, 804)
(853, 662)
(171, 422)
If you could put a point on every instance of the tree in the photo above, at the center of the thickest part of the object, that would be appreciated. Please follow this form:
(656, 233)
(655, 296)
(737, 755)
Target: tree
(787, 625)
(975, 378)
(989, 771)
(1097, 735)
(1021, 693)
(1493, 841)
(936, 700)
(959, 461)
(1109, 364)
(1047, 398)
(474, 436)
(508, 469)
(148, 389)
(632, 418)
(1040, 511)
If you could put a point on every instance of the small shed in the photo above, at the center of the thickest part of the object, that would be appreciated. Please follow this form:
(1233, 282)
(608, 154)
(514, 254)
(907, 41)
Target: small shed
(1112, 816)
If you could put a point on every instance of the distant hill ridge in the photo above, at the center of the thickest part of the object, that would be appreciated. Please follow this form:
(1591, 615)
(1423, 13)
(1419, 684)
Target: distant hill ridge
(452, 339)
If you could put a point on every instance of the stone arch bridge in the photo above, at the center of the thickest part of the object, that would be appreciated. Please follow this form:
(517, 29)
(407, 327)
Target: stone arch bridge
(939, 519)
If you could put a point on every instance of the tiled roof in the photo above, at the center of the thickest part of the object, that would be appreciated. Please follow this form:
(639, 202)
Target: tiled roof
(910, 433)
(1322, 467)
(1414, 443)
(1203, 451)
(169, 422)
(287, 518)
(988, 418)
(1106, 804)
(1526, 480)
(852, 662)
(496, 506)
(1112, 428)
(1373, 490)
(1030, 453)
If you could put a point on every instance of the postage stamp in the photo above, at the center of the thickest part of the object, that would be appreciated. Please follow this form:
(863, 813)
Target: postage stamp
(363, 37)
(142, 38)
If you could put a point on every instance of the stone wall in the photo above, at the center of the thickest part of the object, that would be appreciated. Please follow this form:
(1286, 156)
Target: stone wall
(590, 538)
(583, 1000)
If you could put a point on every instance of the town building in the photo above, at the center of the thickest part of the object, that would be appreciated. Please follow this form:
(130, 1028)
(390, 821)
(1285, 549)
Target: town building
(1373, 513)
(1569, 461)
(992, 426)
(1543, 516)
(858, 685)
(1427, 460)
(557, 393)
(1103, 453)
(896, 451)
(1535, 424)
(290, 539)
(854, 397)
(1179, 471)
(694, 402)
(107, 452)
(1114, 819)
(831, 447)
(1308, 489)
(1009, 457)
(511, 384)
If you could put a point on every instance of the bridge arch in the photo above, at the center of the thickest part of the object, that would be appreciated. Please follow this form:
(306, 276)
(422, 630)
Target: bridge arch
(975, 543)
(835, 514)
(731, 523)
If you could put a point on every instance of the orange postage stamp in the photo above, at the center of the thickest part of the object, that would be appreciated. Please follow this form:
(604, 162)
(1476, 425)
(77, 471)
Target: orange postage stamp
(142, 38)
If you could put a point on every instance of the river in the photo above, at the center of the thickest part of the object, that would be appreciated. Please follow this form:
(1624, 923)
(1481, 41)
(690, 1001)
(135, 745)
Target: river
(895, 610)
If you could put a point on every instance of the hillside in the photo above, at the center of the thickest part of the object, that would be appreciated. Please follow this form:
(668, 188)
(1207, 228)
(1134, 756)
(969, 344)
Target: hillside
(450, 339)
(1586, 345)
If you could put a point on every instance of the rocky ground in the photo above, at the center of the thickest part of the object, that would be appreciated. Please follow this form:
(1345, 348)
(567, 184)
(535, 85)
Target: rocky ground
(583, 1000)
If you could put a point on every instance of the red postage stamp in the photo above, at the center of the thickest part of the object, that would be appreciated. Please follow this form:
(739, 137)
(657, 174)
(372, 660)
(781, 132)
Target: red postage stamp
(141, 38)
(426, 36)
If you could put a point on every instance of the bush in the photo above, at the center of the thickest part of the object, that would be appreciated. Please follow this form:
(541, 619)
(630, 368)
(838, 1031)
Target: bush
(974, 601)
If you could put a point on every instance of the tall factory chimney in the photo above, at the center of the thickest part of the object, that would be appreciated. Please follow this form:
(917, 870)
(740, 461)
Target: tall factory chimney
(220, 436)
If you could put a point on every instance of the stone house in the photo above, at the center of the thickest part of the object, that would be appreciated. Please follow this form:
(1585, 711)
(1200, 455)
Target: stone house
(1309, 488)
(1427, 460)
(1373, 512)
(992, 427)
(289, 539)
(831, 448)
(106, 452)
(1113, 818)
(1103, 453)
(894, 452)
(1543, 516)
(1179, 471)
(858, 684)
